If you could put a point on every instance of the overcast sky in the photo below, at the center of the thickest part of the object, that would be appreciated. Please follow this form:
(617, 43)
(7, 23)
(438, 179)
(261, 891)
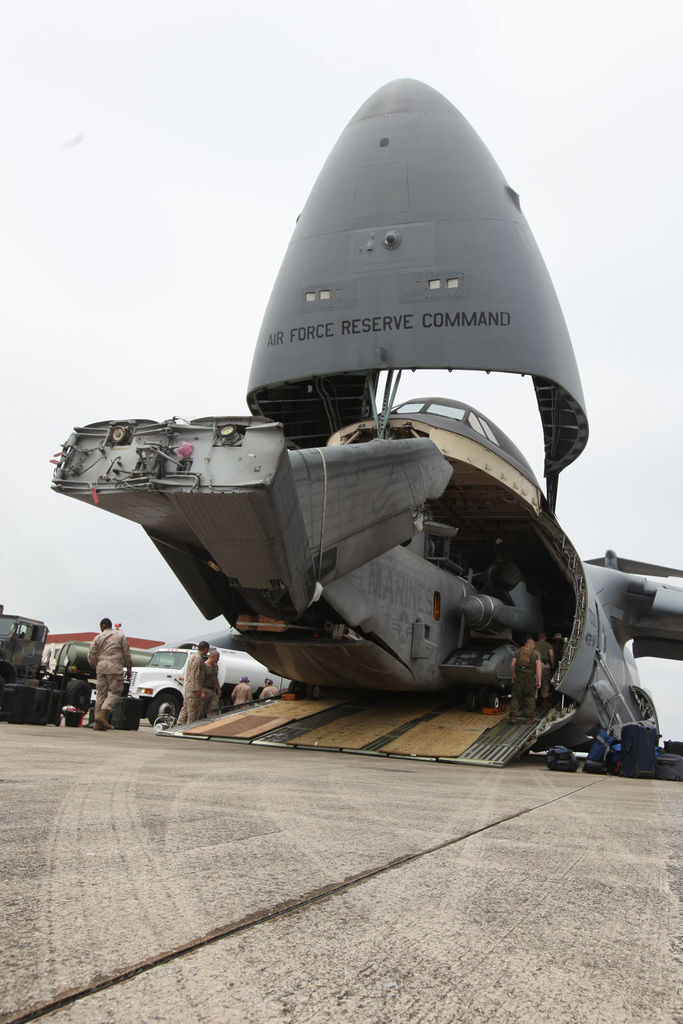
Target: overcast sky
(155, 158)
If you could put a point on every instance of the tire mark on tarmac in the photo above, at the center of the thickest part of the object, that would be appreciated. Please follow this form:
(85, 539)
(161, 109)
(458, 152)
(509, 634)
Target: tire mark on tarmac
(135, 849)
(291, 906)
(69, 821)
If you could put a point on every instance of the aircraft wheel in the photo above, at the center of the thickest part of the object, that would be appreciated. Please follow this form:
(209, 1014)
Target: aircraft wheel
(313, 691)
(471, 700)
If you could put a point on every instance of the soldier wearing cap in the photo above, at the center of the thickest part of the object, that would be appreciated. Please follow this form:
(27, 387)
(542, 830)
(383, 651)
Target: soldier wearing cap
(242, 692)
(269, 690)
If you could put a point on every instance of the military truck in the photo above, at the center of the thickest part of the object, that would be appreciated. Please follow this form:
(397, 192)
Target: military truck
(22, 661)
(21, 648)
(22, 699)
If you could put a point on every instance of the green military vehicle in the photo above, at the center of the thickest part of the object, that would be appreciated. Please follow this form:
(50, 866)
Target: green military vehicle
(21, 648)
(22, 697)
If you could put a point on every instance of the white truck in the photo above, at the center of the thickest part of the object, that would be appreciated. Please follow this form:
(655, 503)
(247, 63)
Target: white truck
(159, 685)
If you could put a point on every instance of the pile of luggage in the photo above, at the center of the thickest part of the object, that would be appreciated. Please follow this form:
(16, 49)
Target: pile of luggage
(635, 755)
(23, 704)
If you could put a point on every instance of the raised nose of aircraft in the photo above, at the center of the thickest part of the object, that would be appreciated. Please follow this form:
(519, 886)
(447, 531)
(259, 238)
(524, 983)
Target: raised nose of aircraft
(403, 96)
(411, 252)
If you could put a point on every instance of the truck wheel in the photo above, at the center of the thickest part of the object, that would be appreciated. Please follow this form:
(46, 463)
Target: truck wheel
(8, 673)
(78, 693)
(164, 704)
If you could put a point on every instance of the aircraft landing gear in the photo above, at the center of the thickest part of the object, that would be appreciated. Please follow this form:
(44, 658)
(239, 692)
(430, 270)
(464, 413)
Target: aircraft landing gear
(478, 698)
(309, 691)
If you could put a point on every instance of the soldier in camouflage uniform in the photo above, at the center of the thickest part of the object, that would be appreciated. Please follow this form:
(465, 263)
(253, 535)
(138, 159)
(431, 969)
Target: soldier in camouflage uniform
(526, 680)
(242, 692)
(547, 655)
(195, 673)
(109, 653)
(212, 688)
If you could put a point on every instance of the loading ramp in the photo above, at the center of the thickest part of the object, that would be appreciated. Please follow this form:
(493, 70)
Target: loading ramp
(385, 725)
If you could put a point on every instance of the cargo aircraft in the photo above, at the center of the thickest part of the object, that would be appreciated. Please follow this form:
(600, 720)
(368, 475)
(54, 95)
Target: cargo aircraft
(357, 542)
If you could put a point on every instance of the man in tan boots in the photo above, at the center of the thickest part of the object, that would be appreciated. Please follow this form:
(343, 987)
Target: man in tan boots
(109, 653)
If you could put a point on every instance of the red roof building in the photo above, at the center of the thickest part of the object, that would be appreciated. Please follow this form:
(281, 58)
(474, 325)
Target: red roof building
(65, 638)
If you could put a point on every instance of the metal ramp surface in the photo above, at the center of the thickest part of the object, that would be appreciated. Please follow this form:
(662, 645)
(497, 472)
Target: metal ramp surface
(505, 741)
(385, 725)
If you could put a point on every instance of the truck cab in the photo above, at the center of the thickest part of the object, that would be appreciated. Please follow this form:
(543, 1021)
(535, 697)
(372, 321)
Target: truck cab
(21, 648)
(159, 685)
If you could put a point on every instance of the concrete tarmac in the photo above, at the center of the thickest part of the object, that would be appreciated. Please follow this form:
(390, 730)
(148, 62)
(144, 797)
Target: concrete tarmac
(152, 879)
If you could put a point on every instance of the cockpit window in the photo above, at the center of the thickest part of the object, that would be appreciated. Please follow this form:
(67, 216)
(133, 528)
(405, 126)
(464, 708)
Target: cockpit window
(475, 424)
(489, 433)
(451, 411)
(410, 407)
(479, 424)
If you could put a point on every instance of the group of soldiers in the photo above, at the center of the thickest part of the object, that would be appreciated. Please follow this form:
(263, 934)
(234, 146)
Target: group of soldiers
(203, 689)
(109, 655)
(531, 668)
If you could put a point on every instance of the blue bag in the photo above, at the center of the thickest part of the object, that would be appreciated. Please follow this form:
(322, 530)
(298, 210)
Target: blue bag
(596, 762)
(561, 759)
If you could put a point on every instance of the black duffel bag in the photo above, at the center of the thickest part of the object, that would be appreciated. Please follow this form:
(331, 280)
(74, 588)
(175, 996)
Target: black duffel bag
(561, 759)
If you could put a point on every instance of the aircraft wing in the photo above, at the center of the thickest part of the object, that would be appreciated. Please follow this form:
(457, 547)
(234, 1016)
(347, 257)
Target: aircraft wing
(658, 620)
(645, 611)
(613, 561)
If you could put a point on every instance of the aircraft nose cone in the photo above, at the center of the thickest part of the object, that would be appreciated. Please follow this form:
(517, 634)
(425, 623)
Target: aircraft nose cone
(404, 96)
(411, 252)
